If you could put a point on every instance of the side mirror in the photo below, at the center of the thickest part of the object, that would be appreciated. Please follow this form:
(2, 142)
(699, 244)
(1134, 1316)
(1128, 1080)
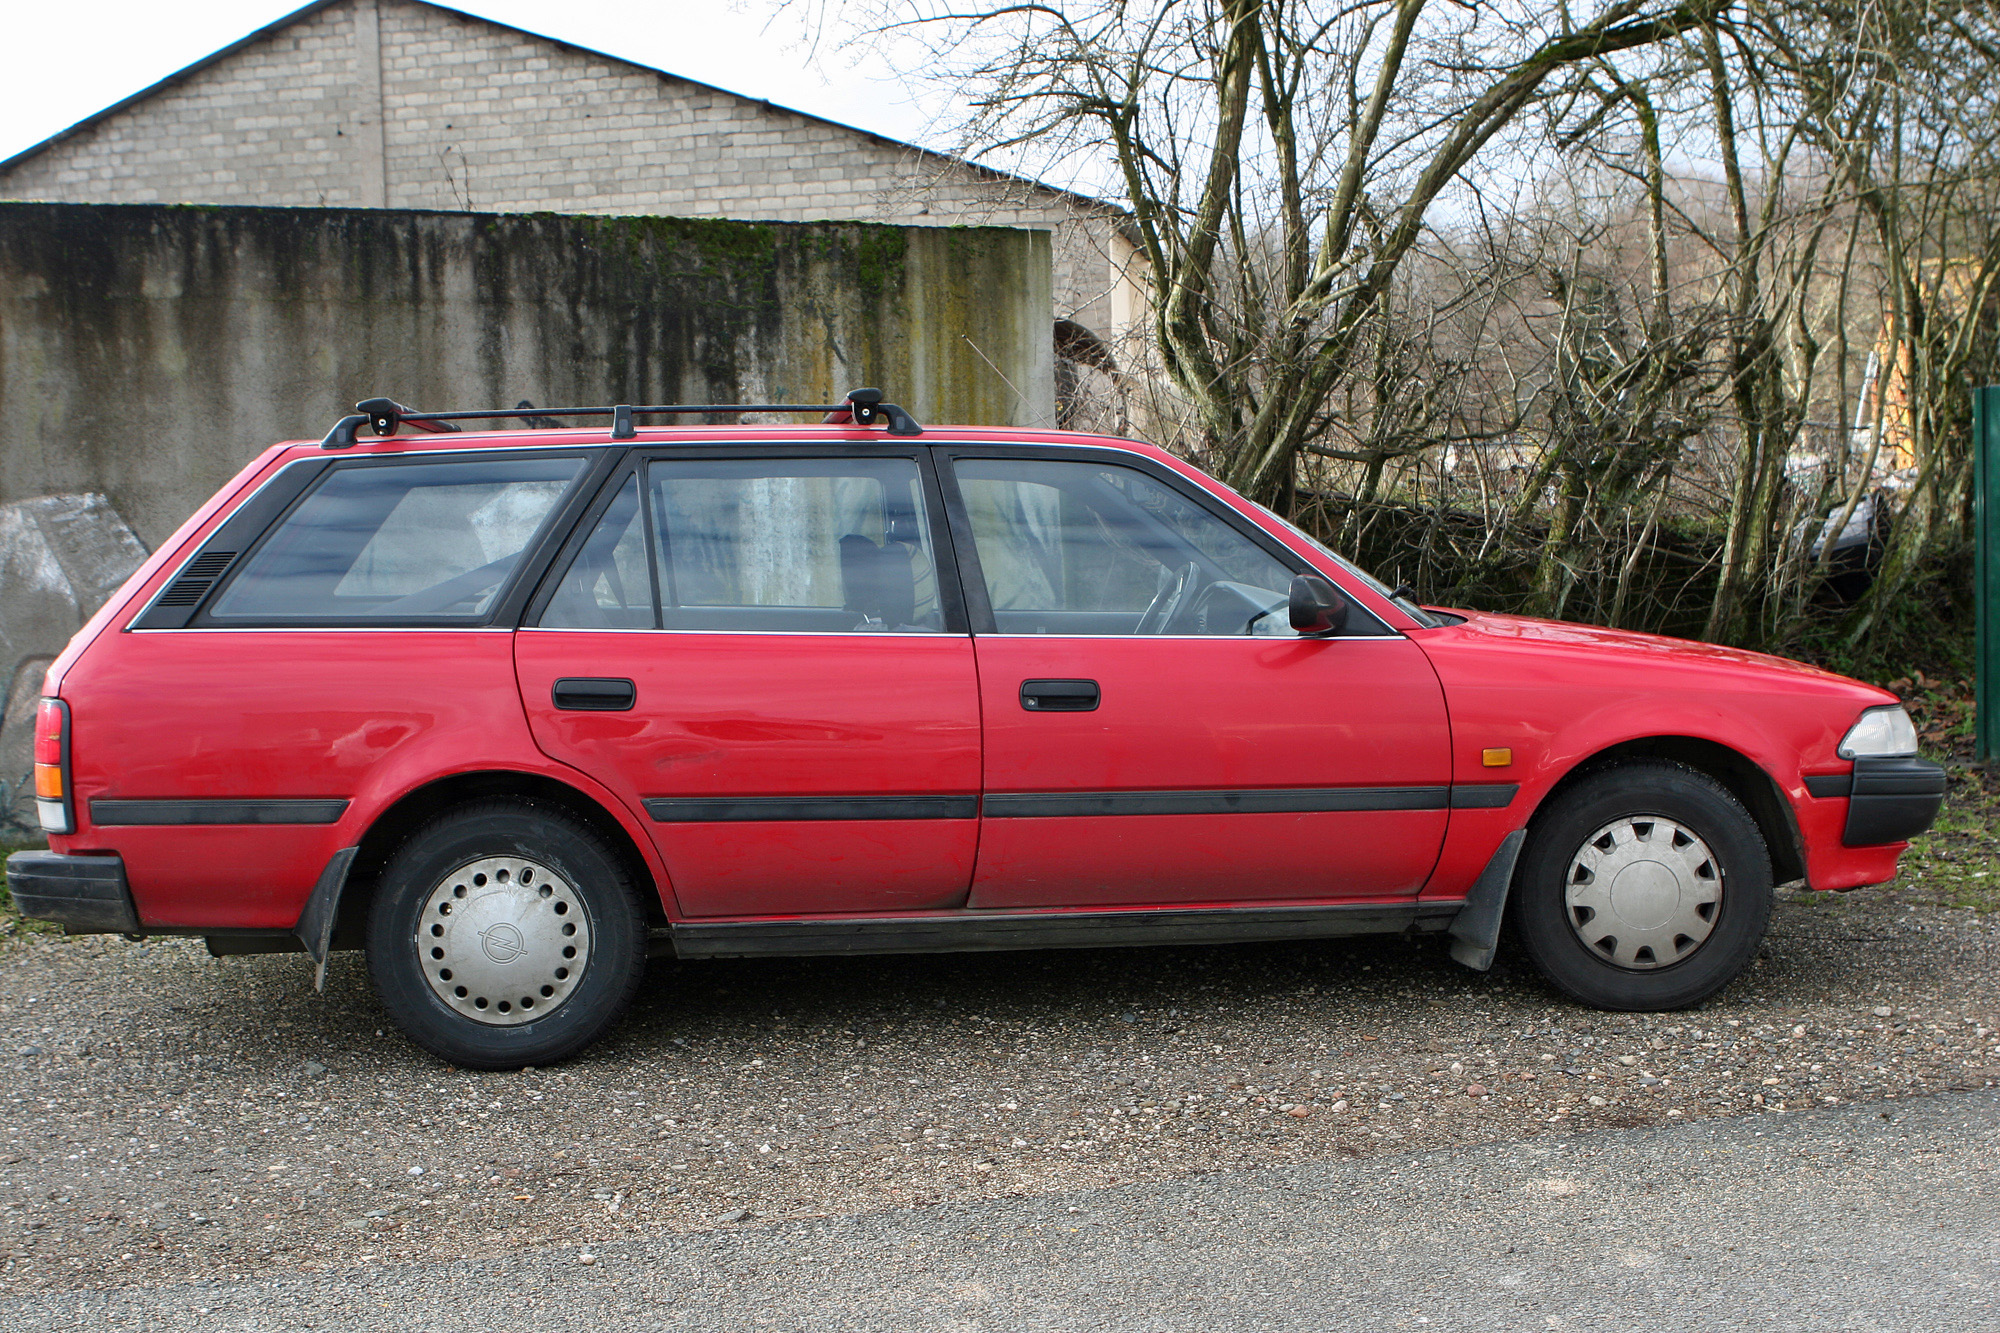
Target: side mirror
(1317, 606)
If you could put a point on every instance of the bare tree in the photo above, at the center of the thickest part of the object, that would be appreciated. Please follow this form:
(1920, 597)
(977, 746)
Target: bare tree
(1279, 158)
(1901, 97)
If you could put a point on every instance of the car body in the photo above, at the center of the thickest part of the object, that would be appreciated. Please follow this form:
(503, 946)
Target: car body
(826, 688)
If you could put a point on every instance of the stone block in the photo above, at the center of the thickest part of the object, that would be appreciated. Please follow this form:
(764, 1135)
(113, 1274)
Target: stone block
(61, 557)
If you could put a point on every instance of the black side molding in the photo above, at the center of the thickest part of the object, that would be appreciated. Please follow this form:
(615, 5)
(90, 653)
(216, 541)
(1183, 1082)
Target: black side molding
(1484, 795)
(713, 809)
(110, 813)
(1247, 801)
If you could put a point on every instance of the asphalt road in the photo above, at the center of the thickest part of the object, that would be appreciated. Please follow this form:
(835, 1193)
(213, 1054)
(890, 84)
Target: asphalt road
(1865, 1217)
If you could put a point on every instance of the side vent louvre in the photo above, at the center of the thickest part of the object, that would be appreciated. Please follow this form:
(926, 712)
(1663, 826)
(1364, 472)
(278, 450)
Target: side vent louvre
(197, 579)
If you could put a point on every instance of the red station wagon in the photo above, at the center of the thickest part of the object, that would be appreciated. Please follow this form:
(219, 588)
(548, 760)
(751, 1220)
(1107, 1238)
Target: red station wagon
(512, 709)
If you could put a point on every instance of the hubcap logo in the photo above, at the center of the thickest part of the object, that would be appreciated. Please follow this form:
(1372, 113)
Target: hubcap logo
(502, 942)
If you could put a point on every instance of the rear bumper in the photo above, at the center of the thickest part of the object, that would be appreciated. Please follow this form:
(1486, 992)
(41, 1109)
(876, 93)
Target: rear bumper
(1888, 800)
(87, 895)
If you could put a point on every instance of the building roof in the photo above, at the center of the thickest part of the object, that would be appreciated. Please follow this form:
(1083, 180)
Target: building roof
(270, 29)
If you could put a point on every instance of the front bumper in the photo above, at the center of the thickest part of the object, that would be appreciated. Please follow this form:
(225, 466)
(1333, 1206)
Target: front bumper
(86, 894)
(1888, 800)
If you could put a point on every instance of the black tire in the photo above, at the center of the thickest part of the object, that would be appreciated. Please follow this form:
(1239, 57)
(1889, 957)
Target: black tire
(563, 929)
(1684, 838)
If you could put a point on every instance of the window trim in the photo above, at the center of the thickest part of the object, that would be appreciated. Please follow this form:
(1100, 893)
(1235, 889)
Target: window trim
(973, 578)
(951, 592)
(258, 518)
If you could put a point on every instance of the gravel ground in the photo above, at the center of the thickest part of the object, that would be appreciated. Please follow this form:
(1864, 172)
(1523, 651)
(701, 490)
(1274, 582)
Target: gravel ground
(165, 1116)
(1852, 1217)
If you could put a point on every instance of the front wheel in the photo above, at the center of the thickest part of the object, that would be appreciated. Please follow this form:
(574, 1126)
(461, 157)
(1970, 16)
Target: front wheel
(505, 934)
(1646, 886)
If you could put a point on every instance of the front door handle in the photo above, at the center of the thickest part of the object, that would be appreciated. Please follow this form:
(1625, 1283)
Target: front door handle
(1059, 696)
(595, 694)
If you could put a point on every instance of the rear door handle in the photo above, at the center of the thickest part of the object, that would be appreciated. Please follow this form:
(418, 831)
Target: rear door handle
(595, 694)
(1059, 696)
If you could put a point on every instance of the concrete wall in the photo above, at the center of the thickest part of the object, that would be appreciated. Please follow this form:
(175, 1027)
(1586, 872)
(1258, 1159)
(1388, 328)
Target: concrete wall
(403, 104)
(147, 352)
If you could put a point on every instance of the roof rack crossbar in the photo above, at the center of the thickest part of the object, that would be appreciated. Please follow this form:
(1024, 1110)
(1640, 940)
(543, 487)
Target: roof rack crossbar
(863, 407)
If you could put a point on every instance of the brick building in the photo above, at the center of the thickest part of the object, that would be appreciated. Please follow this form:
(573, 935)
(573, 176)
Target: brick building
(402, 104)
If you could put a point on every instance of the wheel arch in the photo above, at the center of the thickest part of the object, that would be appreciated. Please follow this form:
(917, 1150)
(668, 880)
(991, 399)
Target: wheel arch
(1740, 775)
(417, 806)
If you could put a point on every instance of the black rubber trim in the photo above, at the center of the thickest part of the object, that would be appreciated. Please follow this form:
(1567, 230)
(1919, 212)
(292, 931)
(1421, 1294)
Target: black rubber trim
(1484, 795)
(1056, 805)
(1893, 800)
(705, 810)
(233, 537)
(973, 931)
(86, 894)
(1898, 777)
(111, 813)
(1828, 785)
(238, 946)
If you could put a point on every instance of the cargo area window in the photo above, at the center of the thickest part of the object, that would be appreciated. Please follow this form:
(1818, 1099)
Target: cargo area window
(413, 542)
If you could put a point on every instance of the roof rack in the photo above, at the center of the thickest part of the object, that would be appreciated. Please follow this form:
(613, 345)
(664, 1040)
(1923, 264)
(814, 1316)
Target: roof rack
(385, 416)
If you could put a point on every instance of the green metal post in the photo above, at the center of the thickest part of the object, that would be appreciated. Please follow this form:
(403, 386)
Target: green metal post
(1986, 568)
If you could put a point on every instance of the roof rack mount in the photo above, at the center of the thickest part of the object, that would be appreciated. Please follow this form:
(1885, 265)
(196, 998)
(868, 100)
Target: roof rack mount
(385, 416)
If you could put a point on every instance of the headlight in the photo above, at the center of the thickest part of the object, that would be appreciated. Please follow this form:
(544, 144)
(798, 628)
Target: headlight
(1882, 733)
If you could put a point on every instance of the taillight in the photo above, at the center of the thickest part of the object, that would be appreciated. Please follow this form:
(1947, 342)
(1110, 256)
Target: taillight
(52, 793)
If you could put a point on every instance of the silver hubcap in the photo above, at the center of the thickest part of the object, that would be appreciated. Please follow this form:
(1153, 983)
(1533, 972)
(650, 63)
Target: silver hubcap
(503, 940)
(1643, 892)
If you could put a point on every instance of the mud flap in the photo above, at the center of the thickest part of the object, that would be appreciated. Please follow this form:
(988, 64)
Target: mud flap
(315, 928)
(1475, 931)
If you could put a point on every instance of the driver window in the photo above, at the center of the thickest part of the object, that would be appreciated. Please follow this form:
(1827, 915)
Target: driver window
(792, 546)
(1092, 549)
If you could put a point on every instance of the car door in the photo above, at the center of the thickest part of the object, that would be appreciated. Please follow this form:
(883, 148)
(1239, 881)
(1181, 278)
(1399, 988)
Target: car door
(755, 649)
(1155, 732)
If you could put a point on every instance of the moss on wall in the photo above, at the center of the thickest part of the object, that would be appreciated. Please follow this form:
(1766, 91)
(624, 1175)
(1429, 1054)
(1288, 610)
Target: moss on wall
(146, 352)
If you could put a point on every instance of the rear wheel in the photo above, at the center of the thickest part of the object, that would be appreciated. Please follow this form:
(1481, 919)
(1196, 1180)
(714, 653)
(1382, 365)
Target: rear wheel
(1646, 886)
(505, 934)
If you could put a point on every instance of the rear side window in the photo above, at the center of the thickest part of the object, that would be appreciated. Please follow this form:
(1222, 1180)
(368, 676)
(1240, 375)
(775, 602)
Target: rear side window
(414, 541)
(819, 546)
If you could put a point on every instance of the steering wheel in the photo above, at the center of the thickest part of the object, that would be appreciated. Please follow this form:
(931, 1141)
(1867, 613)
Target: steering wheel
(1169, 599)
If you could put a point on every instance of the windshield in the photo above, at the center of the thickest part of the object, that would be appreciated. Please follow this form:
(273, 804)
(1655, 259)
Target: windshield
(1407, 605)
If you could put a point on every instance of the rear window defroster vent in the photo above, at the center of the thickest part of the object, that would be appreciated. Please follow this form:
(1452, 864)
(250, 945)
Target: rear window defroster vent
(197, 579)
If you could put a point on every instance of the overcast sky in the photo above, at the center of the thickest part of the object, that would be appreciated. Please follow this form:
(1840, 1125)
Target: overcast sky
(68, 60)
